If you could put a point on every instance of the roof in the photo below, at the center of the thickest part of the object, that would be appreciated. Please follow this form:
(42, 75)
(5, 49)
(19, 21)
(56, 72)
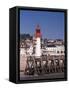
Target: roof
(51, 46)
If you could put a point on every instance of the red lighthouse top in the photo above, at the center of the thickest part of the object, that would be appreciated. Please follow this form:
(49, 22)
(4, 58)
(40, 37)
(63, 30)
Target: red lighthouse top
(38, 32)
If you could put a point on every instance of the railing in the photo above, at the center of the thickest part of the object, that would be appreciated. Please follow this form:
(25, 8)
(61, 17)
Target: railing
(44, 64)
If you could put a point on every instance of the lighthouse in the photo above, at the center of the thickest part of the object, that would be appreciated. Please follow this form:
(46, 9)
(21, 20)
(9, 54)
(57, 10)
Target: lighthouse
(38, 42)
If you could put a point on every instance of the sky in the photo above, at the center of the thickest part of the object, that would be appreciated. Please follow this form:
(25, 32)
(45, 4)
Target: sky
(51, 23)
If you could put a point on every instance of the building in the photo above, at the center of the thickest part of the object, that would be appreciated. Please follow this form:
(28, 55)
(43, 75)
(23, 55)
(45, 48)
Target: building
(38, 42)
(53, 50)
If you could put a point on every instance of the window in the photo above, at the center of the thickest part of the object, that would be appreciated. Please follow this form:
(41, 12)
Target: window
(61, 51)
(57, 51)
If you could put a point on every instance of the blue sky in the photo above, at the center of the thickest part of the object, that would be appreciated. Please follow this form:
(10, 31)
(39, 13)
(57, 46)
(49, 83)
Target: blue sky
(51, 23)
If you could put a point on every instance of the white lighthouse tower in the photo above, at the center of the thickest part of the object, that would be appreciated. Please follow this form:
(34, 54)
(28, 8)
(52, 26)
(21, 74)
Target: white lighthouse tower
(38, 42)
